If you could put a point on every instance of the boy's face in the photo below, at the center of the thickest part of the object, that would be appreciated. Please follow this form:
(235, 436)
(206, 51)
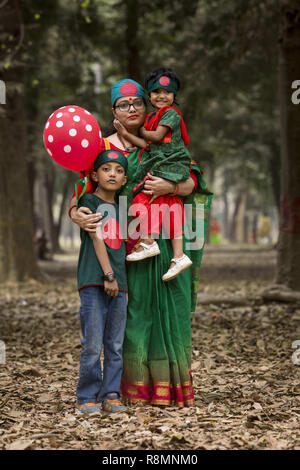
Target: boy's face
(110, 176)
(161, 97)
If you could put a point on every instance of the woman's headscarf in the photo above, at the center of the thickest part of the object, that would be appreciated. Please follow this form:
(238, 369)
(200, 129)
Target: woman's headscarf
(126, 87)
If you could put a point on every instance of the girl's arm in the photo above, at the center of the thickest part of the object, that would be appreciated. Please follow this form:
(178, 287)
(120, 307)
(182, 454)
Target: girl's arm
(110, 287)
(154, 136)
(133, 139)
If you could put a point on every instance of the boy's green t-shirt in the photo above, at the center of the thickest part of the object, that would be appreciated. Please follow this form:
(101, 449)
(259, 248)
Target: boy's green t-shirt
(89, 271)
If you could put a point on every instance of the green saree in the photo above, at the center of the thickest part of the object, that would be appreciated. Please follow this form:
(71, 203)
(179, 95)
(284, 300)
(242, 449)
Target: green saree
(157, 347)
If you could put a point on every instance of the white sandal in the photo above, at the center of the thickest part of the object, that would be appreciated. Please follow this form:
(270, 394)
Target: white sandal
(181, 264)
(147, 252)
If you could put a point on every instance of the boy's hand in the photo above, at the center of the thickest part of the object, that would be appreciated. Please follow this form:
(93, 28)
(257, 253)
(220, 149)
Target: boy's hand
(120, 128)
(111, 288)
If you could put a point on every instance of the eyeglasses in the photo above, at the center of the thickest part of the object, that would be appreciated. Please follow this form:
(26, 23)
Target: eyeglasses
(125, 105)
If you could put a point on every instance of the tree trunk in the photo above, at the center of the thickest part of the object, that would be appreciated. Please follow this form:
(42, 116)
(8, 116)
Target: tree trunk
(232, 231)
(132, 42)
(240, 219)
(226, 206)
(274, 166)
(62, 210)
(288, 261)
(17, 254)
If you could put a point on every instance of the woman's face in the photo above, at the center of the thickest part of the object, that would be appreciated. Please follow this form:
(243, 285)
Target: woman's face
(133, 118)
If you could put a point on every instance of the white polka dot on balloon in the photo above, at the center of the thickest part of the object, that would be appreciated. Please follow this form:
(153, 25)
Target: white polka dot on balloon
(59, 115)
(50, 138)
(76, 118)
(47, 125)
(67, 148)
(72, 110)
(88, 127)
(50, 153)
(86, 112)
(100, 134)
(59, 124)
(72, 132)
(84, 143)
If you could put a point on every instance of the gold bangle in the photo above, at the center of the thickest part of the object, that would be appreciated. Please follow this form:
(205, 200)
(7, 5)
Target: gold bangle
(176, 190)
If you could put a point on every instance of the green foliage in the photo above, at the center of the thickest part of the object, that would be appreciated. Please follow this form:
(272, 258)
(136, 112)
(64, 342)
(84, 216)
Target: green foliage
(224, 52)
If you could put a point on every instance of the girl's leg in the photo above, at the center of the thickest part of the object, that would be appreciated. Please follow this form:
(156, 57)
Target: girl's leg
(177, 246)
(147, 233)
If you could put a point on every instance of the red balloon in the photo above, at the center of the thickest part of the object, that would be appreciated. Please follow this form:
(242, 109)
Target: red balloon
(72, 137)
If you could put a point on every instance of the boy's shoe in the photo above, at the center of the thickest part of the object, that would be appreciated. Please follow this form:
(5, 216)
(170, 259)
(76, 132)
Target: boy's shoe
(88, 408)
(180, 265)
(147, 252)
(113, 404)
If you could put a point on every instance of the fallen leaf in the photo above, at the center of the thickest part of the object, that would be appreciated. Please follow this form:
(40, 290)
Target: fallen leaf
(19, 444)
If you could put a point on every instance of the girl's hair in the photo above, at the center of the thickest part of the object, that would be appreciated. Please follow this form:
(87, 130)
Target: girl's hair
(160, 73)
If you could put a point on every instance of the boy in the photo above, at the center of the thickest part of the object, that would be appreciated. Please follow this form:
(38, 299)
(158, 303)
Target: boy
(102, 288)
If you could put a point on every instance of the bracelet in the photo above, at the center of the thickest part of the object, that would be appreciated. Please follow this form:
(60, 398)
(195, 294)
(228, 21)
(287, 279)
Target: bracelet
(109, 277)
(176, 190)
(72, 207)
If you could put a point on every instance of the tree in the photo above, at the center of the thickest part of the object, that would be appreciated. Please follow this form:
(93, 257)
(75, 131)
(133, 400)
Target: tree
(17, 257)
(288, 265)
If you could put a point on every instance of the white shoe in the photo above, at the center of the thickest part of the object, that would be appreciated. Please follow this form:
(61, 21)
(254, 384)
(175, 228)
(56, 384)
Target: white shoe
(180, 265)
(147, 252)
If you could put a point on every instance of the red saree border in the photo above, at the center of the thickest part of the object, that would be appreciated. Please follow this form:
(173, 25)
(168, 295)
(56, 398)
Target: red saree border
(159, 393)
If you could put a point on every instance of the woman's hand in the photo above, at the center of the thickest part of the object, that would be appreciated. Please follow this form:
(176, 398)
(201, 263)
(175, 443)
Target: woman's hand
(86, 219)
(155, 187)
(111, 288)
(120, 128)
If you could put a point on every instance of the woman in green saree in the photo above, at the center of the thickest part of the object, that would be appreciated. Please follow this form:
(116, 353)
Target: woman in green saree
(157, 347)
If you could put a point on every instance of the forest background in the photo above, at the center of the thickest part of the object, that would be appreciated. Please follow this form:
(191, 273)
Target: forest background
(55, 53)
(239, 65)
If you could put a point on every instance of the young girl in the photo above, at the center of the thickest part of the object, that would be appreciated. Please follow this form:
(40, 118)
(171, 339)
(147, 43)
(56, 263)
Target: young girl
(163, 141)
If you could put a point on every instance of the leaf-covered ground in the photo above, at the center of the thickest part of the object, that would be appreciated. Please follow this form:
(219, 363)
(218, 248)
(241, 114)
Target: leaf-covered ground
(246, 384)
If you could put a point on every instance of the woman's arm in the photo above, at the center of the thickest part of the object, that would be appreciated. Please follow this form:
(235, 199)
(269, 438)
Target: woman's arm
(84, 217)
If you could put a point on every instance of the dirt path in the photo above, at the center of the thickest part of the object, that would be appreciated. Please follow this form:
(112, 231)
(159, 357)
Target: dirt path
(246, 384)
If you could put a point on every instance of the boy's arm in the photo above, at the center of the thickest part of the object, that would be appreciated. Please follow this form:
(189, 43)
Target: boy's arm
(154, 136)
(110, 287)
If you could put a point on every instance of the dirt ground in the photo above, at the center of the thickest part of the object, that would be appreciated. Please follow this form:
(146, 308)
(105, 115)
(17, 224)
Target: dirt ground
(245, 378)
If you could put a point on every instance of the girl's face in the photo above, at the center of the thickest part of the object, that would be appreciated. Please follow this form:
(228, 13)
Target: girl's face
(161, 97)
(133, 118)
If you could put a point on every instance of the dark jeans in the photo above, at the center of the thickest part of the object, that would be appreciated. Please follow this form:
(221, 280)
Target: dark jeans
(103, 321)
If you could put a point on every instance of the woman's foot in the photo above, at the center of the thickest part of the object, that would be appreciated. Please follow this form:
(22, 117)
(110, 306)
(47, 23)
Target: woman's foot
(177, 266)
(146, 251)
